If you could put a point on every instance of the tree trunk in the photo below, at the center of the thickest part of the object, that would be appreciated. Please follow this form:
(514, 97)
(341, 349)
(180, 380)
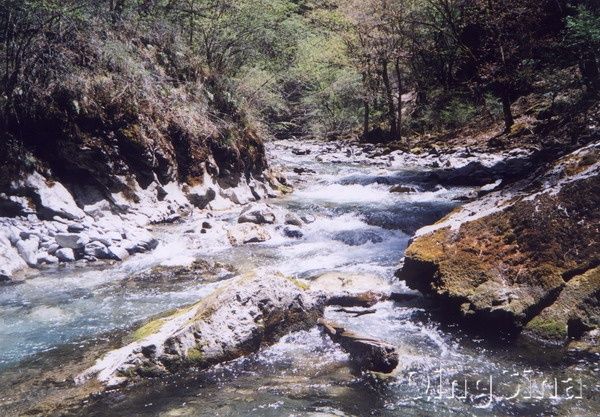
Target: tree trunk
(390, 98)
(508, 117)
(590, 72)
(399, 110)
(365, 78)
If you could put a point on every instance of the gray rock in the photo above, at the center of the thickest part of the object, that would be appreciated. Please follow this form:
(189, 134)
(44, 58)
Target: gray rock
(28, 250)
(52, 248)
(10, 262)
(308, 218)
(75, 228)
(293, 220)
(257, 214)
(247, 233)
(46, 258)
(72, 240)
(97, 250)
(51, 198)
(65, 255)
(139, 240)
(118, 253)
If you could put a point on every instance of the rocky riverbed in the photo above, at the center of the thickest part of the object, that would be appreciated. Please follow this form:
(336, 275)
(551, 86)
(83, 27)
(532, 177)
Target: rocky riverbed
(328, 250)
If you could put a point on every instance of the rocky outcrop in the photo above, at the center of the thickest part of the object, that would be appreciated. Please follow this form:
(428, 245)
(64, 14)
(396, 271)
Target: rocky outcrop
(518, 257)
(237, 319)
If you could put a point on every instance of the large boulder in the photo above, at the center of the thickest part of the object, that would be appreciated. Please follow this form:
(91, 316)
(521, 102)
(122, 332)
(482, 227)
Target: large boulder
(237, 319)
(51, 198)
(501, 260)
(10, 261)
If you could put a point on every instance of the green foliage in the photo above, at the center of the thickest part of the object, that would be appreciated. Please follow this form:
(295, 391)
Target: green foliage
(584, 28)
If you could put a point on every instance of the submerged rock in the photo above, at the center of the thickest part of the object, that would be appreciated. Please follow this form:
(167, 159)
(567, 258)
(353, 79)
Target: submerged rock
(402, 189)
(501, 260)
(293, 232)
(237, 319)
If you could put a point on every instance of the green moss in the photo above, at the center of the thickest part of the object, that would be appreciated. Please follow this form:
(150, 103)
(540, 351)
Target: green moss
(547, 328)
(148, 329)
(195, 355)
(154, 325)
(298, 283)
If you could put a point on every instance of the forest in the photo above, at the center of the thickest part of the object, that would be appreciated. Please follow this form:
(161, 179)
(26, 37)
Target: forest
(303, 68)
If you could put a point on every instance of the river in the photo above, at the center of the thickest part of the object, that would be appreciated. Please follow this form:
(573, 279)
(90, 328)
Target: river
(360, 227)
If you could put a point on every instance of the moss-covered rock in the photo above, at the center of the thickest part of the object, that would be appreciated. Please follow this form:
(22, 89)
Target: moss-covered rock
(236, 319)
(500, 261)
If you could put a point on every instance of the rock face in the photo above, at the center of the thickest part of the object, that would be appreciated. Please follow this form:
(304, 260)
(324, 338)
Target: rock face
(233, 321)
(518, 257)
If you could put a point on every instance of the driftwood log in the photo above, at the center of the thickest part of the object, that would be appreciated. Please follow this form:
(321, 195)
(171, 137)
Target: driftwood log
(367, 354)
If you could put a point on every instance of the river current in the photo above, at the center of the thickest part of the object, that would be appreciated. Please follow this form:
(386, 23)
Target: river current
(360, 227)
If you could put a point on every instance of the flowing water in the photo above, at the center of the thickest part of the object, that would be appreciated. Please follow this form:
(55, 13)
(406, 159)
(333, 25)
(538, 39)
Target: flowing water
(360, 228)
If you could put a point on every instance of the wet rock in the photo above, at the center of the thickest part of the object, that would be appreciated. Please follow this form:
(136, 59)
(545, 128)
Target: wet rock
(301, 170)
(139, 241)
(257, 214)
(293, 232)
(292, 219)
(348, 290)
(247, 233)
(480, 171)
(575, 312)
(308, 218)
(206, 225)
(118, 253)
(28, 249)
(500, 261)
(65, 255)
(72, 240)
(235, 320)
(298, 151)
(357, 237)
(402, 189)
(368, 354)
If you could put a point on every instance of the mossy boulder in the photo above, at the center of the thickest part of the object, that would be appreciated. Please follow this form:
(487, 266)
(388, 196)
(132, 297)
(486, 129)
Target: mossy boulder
(499, 261)
(236, 319)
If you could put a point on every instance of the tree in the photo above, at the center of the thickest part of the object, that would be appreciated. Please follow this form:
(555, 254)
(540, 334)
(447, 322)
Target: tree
(583, 31)
(501, 37)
